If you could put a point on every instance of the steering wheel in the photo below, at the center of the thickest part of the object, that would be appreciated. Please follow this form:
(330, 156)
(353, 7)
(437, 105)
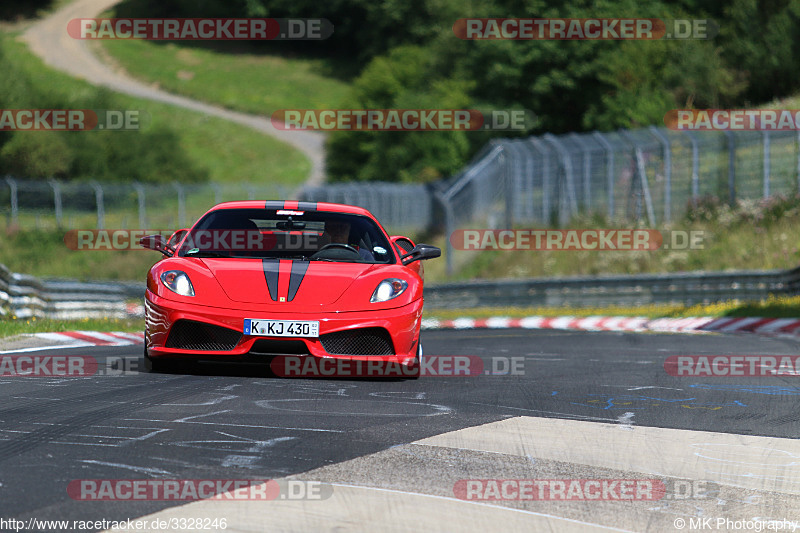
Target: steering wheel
(336, 246)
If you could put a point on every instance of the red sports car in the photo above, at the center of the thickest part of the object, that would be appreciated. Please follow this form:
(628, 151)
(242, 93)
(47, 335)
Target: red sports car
(322, 284)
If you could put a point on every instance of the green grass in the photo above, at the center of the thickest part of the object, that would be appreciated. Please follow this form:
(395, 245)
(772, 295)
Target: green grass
(726, 247)
(9, 327)
(44, 254)
(231, 153)
(253, 83)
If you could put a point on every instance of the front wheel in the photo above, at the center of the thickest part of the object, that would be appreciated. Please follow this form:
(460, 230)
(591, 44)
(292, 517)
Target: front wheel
(160, 365)
(418, 362)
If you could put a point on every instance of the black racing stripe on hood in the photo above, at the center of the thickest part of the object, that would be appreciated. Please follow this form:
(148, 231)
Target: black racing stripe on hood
(274, 204)
(307, 206)
(298, 271)
(271, 270)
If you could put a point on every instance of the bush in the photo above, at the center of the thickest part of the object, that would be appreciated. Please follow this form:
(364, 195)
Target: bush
(145, 155)
(405, 79)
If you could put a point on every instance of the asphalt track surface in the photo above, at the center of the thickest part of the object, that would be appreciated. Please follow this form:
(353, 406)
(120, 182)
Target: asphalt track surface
(237, 422)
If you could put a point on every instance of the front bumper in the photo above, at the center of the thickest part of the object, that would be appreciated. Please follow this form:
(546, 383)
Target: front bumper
(402, 324)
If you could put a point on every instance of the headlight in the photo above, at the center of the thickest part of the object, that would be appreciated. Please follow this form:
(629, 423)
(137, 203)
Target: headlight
(388, 289)
(178, 282)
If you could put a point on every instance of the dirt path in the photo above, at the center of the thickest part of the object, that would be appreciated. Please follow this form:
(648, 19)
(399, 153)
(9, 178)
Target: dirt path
(49, 40)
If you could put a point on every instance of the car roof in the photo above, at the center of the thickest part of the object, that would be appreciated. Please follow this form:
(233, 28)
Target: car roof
(293, 206)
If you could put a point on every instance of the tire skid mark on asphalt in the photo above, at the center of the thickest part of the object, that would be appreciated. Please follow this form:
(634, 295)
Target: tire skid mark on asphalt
(191, 420)
(80, 397)
(154, 472)
(347, 410)
(16, 446)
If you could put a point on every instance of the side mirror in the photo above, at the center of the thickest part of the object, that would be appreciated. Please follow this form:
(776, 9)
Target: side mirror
(403, 244)
(176, 238)
(421, 251)
(157, 243)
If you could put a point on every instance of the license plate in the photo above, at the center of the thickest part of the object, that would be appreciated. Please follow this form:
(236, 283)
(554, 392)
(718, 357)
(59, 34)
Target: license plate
(281, 328)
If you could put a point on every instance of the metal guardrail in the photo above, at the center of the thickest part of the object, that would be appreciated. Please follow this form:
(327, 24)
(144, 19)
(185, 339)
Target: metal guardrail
(688, 289)
(25, 296)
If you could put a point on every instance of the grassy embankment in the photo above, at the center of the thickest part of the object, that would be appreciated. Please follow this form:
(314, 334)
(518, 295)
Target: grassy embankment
(9, 328)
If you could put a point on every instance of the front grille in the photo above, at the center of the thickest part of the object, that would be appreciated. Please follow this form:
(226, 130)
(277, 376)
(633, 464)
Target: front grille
(191, 335)
(362, 341)
(278, 347)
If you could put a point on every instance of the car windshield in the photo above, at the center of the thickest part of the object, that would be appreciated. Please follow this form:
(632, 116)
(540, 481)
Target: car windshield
(287, 234)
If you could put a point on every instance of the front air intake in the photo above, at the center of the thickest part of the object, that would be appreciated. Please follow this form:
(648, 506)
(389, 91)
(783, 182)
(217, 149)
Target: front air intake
(191, 335)
(361, 341)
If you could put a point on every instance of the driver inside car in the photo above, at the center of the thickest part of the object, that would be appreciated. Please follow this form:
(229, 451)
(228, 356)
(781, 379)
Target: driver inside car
(339, 232)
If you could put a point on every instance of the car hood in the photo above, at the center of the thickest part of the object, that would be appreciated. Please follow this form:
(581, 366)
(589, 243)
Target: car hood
(286, 283)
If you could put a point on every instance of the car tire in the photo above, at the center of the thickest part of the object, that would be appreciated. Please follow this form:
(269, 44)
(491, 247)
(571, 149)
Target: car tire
(150, 365)
(158, 365)
(418, 362)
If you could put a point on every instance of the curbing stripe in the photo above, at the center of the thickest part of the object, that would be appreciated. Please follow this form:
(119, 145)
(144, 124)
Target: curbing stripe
(755, 325)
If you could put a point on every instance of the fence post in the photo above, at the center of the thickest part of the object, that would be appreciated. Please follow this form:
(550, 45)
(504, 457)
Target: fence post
(546, 179)
(648, 200)
(731, 167)
(509, 186)
(98, 196)
(798, 161)
(12, 185)
(586, 156)
(567, 164)
(667, 172)
(140, 194)
(766, 162)
(516, 174)
(695, 167)
(449, 225)
(641, 171)
(600, 138)
(181, 204)
(56, 200)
